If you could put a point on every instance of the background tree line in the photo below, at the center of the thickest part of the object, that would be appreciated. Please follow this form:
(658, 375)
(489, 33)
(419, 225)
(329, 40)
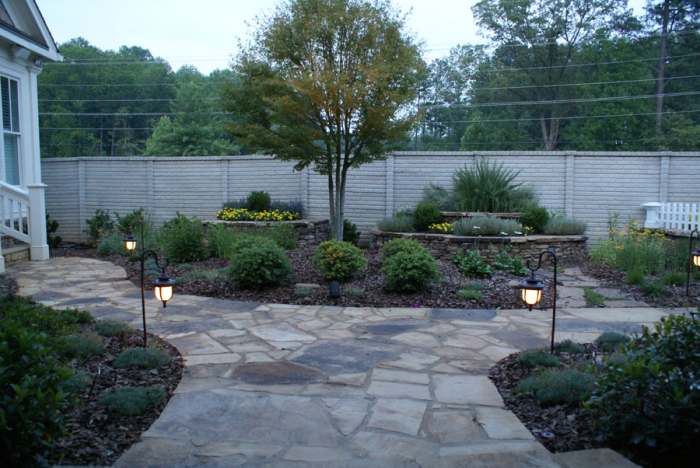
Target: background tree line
(559, 75)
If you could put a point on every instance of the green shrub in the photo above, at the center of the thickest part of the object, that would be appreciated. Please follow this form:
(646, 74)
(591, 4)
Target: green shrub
(560, 225)
(395, 246)
(513, 265)
(472, 264)
(182, 239)
(650, 398)
(81, 346)
(438, 196)
(283, 235)
(260, 265)
(653, 288)
(400, 222)
(142, 358)
(77, 383)
(535, 358)
(111, 328)
(469, 294)
(425, 214)
(553, 386)
(489, 187)
(635, 276)
(42, 319)
(487, 226)
(593, 298)
(31, 395)
(220, 241)
(132, 401)
(338, 261)
(568, 346)
(130, 223)
(535, 217)
(609, 341)
(112, 244)
(258, 201)
(98, 226)
(52, 239)
(350, 233)
(203, 275)
(409, 271)
(674, 278)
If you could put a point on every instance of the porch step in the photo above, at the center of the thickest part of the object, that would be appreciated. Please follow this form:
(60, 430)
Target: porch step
(16, 254)
(593, 458)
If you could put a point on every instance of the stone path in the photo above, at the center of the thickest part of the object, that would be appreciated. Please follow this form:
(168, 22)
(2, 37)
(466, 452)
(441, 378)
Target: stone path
(574, 283)
(285, 385)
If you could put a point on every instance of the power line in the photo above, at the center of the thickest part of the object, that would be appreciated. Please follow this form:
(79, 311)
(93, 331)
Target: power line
(132, 100)
(129, 114)
(575, 117)
(591, 83)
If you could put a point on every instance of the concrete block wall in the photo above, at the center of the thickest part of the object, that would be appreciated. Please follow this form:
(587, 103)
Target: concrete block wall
(589, 186)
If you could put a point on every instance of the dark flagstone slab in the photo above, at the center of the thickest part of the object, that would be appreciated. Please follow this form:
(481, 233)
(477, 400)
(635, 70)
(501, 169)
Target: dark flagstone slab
(345, 358)
(275, 373)
(473, 315)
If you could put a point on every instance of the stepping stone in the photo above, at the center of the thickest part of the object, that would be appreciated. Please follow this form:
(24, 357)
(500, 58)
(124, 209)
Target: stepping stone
(422, 340)
(399, 390)
(453, 427)
(474, 315)
(501, 424)
(403, 416)
(390, 375)
(276, 373)
(393, 327)
(335, 358)
(466, 390)
(412, 361)
(198, 343)
(281, 332)
(348, 414)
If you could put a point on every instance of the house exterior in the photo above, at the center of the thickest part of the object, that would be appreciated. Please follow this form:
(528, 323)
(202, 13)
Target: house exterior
(25, 45)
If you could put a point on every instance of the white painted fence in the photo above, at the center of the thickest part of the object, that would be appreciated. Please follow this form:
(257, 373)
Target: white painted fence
(672, 216)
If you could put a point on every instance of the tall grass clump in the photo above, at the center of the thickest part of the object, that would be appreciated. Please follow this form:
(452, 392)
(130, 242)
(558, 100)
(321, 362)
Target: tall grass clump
(490, 187)
(560, 225)
(400, 222)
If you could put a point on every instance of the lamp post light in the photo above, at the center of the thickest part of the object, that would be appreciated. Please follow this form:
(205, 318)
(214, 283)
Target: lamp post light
(693, 259)
(162, 287)
(531, 289)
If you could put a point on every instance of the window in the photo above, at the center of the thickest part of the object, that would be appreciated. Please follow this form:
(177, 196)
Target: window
(9, 101)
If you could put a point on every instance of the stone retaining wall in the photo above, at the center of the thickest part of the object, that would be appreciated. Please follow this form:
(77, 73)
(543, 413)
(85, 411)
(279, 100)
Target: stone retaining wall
(569, 249)
(309, 233)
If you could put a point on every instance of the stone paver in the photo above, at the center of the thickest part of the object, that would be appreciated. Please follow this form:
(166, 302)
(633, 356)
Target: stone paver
(287, 385)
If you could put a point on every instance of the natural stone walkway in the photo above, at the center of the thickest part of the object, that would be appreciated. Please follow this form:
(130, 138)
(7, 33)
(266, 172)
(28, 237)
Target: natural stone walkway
(573, 284)
(286, 385)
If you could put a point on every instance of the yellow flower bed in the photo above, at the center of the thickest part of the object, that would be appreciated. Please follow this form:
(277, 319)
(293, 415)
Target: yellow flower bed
(244, 214)
(442, 228)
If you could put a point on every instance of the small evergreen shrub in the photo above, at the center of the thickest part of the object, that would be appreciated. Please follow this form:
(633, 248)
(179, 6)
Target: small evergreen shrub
(52, 239)
(535, 218)
(258, 201)
(568, 346)
(350, 233)
(110, 328)
(182, 239)
(132, 401)
(338, 261)
(98, 226)
(142, 358)
(409, 271)
(425, 215)
(400, 222)
(472, 264)
(130, 223)
(260, 265)
(487, 226)
(536, 358)
(609, 341)
(560, 225)
(81, 346)
(395, 246)
(553, 386)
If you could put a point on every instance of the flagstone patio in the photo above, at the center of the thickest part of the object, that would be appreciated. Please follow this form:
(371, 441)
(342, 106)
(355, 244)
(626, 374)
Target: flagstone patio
(287, 385)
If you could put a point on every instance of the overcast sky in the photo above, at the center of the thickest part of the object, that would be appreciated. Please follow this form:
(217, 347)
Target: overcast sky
(205, 33)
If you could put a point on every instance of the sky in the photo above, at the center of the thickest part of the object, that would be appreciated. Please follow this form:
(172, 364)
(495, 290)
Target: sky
(207, 35)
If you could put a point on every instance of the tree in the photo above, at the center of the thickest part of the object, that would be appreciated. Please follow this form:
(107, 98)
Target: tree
(328, 84)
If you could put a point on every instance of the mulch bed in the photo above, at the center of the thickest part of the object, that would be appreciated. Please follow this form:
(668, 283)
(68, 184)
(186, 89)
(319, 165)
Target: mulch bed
(96, 437)
(366, 290)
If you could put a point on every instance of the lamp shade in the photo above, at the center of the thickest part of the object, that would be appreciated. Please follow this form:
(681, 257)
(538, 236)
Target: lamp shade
(163, 289)
(696, 257)
(531, 291)
(130, 243)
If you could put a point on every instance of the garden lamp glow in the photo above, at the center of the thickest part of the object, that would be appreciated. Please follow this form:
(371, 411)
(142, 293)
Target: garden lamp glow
(696, 257)
(531, 291)
(130, 243)
(163, 288)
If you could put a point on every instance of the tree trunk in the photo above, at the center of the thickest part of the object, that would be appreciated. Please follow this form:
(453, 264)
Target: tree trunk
(661, 70)
(550, 133)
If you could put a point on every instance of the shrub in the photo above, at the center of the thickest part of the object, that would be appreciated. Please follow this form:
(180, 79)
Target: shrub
(112, 244)
(635, 276)
(609, 341)
(593, 298)
(111, 328)
(409, 271)
(395, 246)
(535, 217)
(472, 264)
(260, 265)
(81, 346)
(142, 358)
(674, 278)
(41, 319)
(653, 288)
(489, 187)
(425, 214)
(535, 358)
(130, 223)
(132, 401)
(98, 226)
(487, 226)
(560, 225)
(221, 241)
(400, 222)
(258, 201)
(438, 196)
(568, 346)
(650, 398)
(553, 386)
(52, 239)
(32, 394)
(77, 382)
(338, 261)
(469, 294)
(350, 233)
(182, 239)
(283, 235)
(203, 275)
(513, 265)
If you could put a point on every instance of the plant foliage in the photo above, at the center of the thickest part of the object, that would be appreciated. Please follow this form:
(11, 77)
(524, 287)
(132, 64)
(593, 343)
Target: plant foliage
(338, 260)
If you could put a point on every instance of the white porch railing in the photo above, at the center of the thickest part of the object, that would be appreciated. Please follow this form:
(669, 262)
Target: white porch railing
(14, 212)
(672, 216)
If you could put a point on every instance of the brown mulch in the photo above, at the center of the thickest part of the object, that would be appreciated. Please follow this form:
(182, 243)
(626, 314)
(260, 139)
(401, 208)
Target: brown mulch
(95, 436)
(367, 290)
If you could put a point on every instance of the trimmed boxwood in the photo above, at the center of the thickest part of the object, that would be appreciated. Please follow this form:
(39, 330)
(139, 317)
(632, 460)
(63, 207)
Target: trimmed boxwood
(409, 271)
(259, 265)
(338, 260)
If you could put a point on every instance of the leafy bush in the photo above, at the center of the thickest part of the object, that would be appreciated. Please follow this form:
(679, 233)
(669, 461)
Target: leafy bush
(609, 341)
(489, 187)
(438, 196)
(350, 233)
(674, 278)
(98, 226)
(182, 239)
(560, 225)
(76, 383)
(142, 358)
(535, 217)
(535, 358)
(112, 244)
(258, 201)
(260, 265)
(469, 294)
(41, 319)
(472, 264)
(111, 328)
(338, 261)
(653, 288)
(52, 239)
(283, 235)
(650, 399)
(568, 346)
(221, 241)
(635, 276)
(487, 226)
(400, 222)
(81, 346)
(395, 246)
(409, 271)
(132, 401)
(552, 386)
(513, 265)
(130, 223)
(426, 214)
